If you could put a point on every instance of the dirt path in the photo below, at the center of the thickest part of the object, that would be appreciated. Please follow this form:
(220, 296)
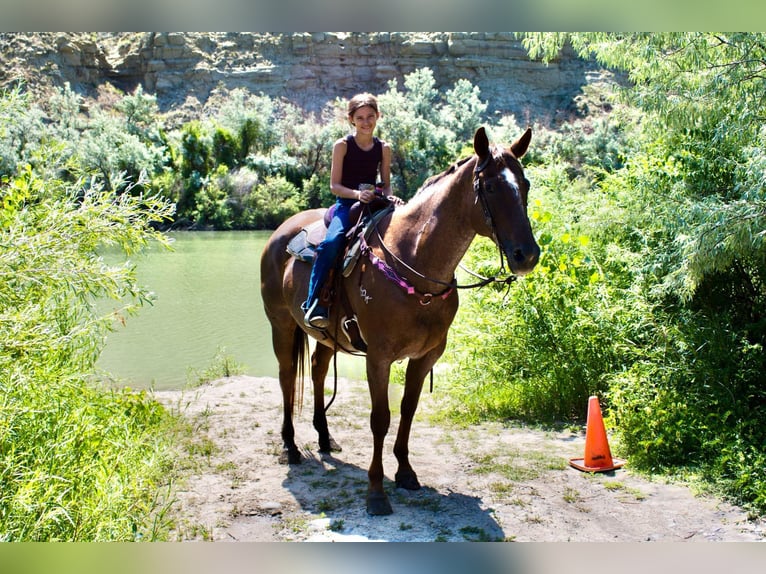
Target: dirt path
(487, 482)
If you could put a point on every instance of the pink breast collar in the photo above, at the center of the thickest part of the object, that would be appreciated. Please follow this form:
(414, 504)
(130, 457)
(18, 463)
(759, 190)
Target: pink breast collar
(394, 277)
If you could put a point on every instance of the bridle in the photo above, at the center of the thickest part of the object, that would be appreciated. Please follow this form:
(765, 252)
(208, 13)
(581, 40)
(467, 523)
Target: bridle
(481, 196)
(426, 298)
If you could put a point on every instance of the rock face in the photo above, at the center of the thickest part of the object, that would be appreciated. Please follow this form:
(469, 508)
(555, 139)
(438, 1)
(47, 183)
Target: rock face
(306, 69)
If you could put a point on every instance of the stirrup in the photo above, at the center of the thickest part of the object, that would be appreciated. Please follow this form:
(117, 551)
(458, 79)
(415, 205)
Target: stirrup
(316, 316)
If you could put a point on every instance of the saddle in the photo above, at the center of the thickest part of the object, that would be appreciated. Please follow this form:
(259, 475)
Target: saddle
(304, 243)
(303, 247)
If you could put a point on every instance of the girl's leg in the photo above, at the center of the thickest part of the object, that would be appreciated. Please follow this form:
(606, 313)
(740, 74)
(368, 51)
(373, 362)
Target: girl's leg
(326, 255)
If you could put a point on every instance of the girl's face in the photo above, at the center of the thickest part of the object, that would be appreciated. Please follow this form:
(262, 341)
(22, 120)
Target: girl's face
(364, 119)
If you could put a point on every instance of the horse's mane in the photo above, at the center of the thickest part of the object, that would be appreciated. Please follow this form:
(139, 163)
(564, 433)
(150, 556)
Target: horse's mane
(439, 176)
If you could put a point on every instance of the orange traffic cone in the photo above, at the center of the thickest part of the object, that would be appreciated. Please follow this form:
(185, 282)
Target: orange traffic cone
(598, 457)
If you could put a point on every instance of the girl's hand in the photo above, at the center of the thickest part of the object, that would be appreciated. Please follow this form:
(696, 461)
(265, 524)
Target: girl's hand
(366, 195)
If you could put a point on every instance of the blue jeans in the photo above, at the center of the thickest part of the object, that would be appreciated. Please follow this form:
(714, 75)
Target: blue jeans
(327, 252)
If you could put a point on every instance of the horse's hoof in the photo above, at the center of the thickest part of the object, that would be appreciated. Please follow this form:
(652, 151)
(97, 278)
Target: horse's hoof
(378, 504)
(290, 456)
(329, 446)
(408, 480)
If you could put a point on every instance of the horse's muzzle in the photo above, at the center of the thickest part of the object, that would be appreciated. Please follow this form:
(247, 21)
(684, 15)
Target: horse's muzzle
(522, 258)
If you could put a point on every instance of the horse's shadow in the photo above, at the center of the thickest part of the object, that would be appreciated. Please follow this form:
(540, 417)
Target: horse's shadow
(327, 486)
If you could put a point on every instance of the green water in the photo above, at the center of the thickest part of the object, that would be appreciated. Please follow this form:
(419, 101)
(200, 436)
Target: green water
(208, 298)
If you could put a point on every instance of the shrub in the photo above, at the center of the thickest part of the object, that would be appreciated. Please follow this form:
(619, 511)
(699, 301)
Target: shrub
(77, 461)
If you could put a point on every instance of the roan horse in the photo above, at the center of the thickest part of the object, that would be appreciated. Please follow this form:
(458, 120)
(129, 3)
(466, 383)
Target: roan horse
(419, 245)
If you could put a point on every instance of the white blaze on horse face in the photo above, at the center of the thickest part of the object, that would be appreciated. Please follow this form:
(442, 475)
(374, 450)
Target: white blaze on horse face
(511, 179)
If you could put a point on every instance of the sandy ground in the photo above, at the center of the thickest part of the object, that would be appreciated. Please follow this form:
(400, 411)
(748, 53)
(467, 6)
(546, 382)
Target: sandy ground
(483, 483)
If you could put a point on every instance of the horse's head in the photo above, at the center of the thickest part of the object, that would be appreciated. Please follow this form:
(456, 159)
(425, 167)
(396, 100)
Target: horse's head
(501, 199)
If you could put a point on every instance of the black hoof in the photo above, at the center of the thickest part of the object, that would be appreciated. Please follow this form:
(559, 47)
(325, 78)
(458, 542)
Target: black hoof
(408, 480)
(329, 446)
(378, 504)
(290, 456)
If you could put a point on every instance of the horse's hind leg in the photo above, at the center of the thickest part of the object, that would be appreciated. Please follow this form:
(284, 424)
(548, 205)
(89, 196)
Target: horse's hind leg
(320, 362)
(289, 349)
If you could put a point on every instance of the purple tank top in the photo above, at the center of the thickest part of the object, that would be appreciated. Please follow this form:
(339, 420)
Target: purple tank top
(361, 166)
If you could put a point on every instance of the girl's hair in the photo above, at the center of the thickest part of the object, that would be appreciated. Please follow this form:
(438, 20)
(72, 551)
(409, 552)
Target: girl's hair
(361, 100)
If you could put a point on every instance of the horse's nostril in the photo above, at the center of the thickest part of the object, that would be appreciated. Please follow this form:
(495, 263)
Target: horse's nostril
(518, 255)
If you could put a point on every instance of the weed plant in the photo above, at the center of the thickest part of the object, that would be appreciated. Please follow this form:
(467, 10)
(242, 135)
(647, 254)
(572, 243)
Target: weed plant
(78, 461)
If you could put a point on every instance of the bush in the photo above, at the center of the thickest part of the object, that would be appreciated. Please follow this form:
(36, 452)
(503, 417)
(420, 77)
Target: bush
(272, 202)
(537, 350)
(77, 461)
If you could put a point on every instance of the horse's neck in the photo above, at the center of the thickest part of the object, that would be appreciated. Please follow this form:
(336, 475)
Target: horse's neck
(433, 231)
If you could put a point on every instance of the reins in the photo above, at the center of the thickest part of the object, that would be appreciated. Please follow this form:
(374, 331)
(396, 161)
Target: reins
(450, 285)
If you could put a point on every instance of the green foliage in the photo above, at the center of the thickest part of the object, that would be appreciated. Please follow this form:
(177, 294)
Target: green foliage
(226, 149)
(140, 113)
(535, 351)
(77, 462)
(197, 165)
(703, 98)
(273, 201)
(419, 124)
(212, 206)
(686, 225)
(222, 365)
(21, 129)
(463, 110)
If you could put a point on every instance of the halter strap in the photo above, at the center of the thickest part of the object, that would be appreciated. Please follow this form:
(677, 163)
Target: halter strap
(478, 188)
(481, 166)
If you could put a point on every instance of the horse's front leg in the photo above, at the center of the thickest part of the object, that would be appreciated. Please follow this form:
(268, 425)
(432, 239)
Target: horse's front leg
(417, 369)
(320, 362)
(380, 419)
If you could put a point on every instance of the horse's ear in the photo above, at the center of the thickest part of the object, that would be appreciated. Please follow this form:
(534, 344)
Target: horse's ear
(481, 143)
(519, 147)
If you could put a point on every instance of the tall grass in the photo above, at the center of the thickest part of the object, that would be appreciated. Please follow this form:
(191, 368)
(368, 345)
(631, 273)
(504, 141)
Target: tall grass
(78, 461)
(535, 351)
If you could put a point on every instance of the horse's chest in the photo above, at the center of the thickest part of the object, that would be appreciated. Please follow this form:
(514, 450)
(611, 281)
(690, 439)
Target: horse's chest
(411, 333)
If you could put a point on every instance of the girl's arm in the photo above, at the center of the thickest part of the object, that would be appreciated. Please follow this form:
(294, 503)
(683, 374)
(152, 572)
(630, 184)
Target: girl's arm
(385, 168)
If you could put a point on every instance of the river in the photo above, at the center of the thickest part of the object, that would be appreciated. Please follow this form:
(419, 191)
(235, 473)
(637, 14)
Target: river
(207, 299)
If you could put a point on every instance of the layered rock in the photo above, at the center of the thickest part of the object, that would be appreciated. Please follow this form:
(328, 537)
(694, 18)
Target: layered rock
(307, 69)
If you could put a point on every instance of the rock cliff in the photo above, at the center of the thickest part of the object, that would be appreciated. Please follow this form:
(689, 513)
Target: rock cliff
(184, 69)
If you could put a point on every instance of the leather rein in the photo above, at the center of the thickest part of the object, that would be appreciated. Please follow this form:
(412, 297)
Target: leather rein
(426, 298)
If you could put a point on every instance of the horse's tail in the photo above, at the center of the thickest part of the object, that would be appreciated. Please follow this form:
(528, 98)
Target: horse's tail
(300, 352)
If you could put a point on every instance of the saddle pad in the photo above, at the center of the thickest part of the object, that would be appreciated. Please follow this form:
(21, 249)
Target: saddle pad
(303, 245)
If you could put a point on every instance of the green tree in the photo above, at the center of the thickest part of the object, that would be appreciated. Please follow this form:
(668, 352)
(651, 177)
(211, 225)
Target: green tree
(411, 123)
(195, 162)
(273, 201)
(463, 111)
(687, 221)
(140, 111)
(78, 462)
(703, 93)
(21, 129)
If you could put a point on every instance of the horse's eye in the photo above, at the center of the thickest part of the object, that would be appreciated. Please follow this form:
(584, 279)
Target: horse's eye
(488, 188)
